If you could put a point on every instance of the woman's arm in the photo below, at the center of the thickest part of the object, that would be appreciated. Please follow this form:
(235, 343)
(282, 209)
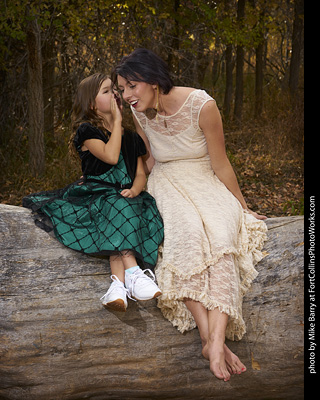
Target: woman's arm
(211, 124)
(148, 159)
(138, 183)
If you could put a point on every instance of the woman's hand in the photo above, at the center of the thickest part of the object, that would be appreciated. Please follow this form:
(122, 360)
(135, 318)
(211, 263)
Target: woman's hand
(256, 215)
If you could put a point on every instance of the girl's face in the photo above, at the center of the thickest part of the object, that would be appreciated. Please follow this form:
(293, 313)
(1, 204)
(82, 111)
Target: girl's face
(103, 99)
(140, 95)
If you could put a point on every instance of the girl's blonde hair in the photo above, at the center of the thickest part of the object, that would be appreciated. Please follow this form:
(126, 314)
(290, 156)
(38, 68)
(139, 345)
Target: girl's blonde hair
(84, 106)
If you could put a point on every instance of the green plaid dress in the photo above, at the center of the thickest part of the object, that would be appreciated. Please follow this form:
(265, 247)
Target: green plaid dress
(91, 216)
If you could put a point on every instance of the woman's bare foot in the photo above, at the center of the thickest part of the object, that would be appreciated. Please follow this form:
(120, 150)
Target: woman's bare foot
(205, 350)
(217, 361)
(234, 365)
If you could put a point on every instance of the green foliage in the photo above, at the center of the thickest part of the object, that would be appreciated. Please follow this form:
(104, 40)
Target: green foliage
(92, 35)
(294, 207)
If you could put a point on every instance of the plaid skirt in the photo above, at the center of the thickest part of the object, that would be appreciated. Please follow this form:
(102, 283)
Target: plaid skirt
(91, 216)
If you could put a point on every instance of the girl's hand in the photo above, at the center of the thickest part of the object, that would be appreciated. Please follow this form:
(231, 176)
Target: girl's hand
(128, 193)
(116, 107)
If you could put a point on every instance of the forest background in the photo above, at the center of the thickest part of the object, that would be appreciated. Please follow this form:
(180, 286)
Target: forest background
(247, 54)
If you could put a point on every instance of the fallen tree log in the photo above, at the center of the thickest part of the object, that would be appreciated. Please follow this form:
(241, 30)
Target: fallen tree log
(58, 342)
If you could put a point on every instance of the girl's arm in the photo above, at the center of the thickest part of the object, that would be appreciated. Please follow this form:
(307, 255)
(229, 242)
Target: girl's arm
(211, 124)
(108, 152)
(148, 159)
(138, 183)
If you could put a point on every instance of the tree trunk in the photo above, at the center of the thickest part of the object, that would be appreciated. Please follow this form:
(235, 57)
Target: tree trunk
(238, 105)
(201, 61)
(216, 63)
(65, 86)
(229, 69)
(229, 82)
(173, 59)
(35, 99)
(58, 342)
(296, 46)
(259, 63)
(48, 74)
(259, 80)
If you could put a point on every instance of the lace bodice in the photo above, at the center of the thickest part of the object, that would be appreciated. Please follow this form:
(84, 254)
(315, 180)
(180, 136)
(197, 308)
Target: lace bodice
(177, 136)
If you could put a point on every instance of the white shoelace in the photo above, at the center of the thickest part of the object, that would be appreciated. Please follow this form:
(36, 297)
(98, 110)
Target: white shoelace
(140, 275)
(117, 284)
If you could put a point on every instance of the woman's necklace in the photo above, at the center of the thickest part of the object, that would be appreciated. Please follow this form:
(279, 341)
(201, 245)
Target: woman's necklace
(163, 110)
(152, 113)
(165, 120)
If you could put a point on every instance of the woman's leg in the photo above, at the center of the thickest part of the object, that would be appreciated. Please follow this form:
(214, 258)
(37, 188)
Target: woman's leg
(212, 327)
(217, 322)
(201, 316)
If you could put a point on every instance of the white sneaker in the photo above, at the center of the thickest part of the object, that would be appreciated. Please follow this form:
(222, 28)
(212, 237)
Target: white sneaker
(140, 286)
(116, 296)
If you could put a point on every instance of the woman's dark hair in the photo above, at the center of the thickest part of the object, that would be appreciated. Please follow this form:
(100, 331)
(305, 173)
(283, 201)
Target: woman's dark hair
(142, 65)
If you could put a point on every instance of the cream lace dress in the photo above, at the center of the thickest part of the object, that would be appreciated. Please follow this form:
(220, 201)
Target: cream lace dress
(210, 243)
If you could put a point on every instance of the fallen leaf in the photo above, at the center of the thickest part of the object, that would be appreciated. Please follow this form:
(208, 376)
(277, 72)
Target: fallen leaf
(254, 363)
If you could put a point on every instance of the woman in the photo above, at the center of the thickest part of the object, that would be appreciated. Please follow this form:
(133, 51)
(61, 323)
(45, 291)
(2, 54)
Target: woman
(212, 240)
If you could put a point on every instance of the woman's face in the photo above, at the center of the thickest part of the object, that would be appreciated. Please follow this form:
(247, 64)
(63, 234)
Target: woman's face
(140, 95)
(103, 99)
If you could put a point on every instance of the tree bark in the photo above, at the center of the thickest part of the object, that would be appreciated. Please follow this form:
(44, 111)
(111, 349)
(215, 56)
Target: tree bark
(229, 70)
(35, 99)
(173, 59)
(297, 35)
(260, 65)
(58, 342)
(48, 74)
(229, 82)
(238, 105)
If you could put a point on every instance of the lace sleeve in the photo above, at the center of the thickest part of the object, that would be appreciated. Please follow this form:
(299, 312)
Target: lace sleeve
(199, 100)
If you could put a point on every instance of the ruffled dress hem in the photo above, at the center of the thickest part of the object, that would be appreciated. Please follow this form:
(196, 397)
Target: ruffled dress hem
(172, 304)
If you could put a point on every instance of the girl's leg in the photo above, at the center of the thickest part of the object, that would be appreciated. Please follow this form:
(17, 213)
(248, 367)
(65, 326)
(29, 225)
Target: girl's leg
(128, 260)
(139, 285)
(117, 267)
(116, 296)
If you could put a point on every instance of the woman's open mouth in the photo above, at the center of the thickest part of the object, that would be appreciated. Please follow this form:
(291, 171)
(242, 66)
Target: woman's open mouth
(133, 103)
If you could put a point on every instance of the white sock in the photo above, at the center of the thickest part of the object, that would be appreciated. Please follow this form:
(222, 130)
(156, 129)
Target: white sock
(132, 269)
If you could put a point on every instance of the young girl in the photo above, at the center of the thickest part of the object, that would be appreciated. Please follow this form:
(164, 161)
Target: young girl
(106, 212)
